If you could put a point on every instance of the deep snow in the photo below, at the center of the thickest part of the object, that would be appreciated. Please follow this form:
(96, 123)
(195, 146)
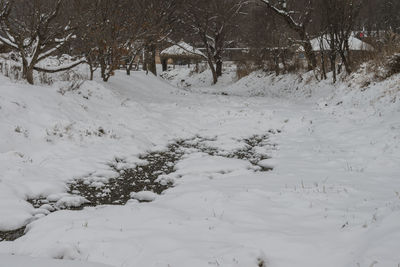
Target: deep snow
(333, 198)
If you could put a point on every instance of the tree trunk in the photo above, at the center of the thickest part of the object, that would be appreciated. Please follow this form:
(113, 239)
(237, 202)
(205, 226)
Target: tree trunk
(27, 71)
(24, 68)
(218, 69)
(333, 65)
(92, 70)
(282, 56)
(164, 63)
(152, 67)
(345, 62)
(309, 54)
(323, 66)
(332, 52)
(322, 55)
(144, 59)
(130, 65)
(103, 70)
(29, 75)
(105, 74)
(213, 71)
(218, 62)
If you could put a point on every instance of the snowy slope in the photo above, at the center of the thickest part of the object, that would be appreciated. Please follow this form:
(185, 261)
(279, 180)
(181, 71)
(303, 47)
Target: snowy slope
(333, 198)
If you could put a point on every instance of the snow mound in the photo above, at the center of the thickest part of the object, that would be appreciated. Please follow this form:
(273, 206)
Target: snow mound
(144, 196)
(71, 202)
(268, 163)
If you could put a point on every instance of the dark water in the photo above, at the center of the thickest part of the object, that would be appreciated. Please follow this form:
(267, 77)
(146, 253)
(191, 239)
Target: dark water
(12, 235)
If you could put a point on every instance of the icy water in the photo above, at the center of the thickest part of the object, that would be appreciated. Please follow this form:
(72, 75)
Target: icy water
(144, 177)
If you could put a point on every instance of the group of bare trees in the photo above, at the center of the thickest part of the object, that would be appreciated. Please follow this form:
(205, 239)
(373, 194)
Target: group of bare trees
(107, 33)
(298, 23)
(102, 33)
(36, 30)
(334, 23)
(214, 24)
(336, 19)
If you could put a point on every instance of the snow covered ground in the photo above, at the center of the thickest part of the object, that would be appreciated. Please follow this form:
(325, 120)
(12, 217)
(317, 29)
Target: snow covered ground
(199, 77)
(24, 261)
(333, 198)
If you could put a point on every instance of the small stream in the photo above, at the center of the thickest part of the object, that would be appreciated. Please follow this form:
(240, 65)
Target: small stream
(117, 191)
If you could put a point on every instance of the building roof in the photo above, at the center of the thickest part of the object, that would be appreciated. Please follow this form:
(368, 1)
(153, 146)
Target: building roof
(182, 49)
(355, 44)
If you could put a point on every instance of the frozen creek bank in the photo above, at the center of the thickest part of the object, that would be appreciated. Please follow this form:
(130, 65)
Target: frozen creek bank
(331, 200)
(151, 177)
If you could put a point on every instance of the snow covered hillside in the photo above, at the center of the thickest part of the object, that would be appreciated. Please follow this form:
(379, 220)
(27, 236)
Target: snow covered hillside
(332, 198)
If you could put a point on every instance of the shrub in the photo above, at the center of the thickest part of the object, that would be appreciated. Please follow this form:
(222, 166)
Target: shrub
(244, 68)
(393, 64)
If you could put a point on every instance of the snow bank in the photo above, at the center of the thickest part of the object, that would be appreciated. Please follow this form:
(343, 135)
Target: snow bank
(332, 199)
(360, 91)
(193, 77)
(50, 137)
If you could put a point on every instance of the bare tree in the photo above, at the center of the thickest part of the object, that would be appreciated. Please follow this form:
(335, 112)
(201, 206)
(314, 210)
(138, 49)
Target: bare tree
(338, 22)
(36, 30)
(115, 32)
(322, 48)
(299, 25)
(347, 12)
(134, 49)
(214, 23)
(85, 43)
(159, 18)
(268, 40)
(329, 31)
(106, 34)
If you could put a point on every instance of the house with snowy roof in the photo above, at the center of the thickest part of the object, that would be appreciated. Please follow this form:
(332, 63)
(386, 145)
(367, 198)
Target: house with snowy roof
(180, 54)
(355, 44)
(321, 43)
(359, 49)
